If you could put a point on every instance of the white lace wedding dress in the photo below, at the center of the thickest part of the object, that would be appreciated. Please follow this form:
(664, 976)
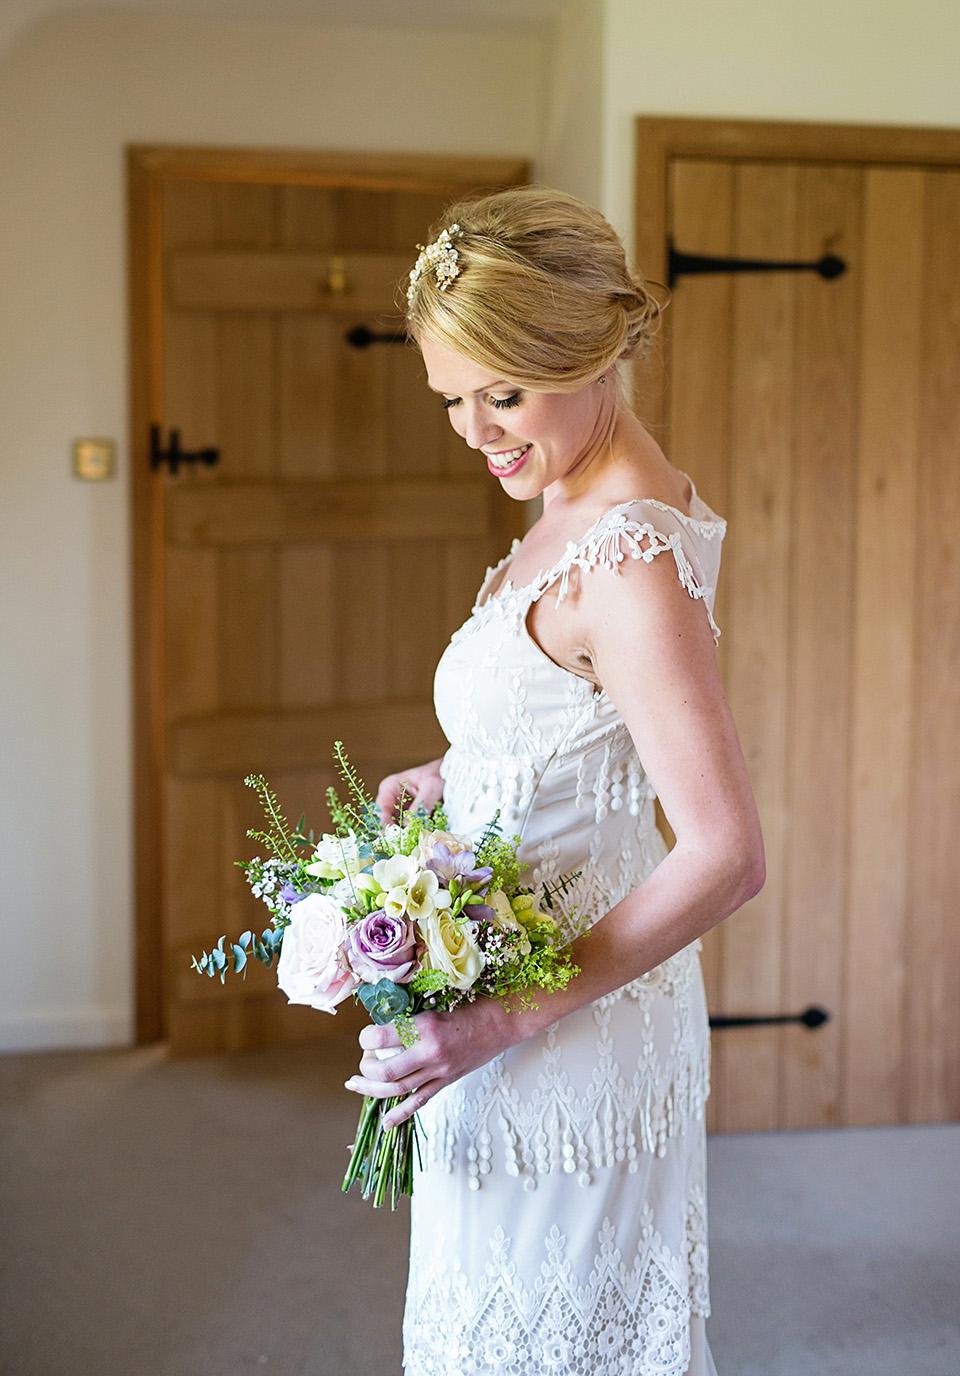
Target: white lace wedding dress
(559, 1223)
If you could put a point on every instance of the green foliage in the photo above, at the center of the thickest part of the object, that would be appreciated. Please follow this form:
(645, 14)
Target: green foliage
(501, 855)
(235, 956)
(554, 889)
(406, 1030)
(359, 813)
(278, 838)
(415, 824)
(384, 1001)
(428, 982)
(545, 969)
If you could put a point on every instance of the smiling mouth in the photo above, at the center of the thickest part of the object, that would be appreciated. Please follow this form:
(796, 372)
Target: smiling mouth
(508, 457)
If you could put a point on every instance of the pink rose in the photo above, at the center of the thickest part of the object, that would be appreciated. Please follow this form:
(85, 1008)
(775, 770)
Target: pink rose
(311, 968)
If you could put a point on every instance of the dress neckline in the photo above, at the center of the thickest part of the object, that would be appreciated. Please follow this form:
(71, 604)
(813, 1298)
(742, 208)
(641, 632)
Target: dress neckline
(709, 524)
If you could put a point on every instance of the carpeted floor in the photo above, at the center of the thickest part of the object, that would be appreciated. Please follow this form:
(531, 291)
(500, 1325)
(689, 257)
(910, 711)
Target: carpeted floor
(184, 1218)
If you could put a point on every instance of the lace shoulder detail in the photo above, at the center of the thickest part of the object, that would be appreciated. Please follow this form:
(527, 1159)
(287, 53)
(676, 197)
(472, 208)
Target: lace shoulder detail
(491, 574)
(622, 534)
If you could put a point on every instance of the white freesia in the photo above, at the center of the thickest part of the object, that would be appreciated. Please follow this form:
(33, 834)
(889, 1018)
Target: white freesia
(394, 903)
(423, 895)
(336, 857)
(398, 872)
(507, 919)
(310, 969)
(451, 948)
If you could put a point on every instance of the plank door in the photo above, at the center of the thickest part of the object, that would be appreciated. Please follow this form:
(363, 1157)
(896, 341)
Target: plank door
(823, 419)
(313, 574)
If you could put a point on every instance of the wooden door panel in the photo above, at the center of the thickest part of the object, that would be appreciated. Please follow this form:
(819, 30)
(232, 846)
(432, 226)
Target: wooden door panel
(757, 577)
(232, 280)
(270, 513)
(311, 348)
(931, 952)
(307, 612)
(823, 418)
(314, 574)
(822, 581)
(883, 636)
(245, 368)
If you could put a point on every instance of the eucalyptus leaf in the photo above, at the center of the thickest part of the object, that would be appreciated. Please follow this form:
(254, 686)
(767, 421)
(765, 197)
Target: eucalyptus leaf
(384, 1000)
(239, 958)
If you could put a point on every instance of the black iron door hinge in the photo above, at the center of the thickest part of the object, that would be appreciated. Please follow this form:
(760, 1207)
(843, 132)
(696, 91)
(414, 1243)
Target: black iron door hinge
(681, 264)
(173, 456)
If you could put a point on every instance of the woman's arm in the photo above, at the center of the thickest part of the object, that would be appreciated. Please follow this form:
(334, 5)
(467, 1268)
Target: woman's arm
(652, 649)
(421, 786)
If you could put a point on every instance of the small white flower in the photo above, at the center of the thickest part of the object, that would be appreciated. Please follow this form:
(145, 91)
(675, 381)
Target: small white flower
(422, 896)
(336, 857)
(398, 872)
(394, 903)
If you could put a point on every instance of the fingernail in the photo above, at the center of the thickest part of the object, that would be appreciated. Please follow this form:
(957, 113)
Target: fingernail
(349, 1084)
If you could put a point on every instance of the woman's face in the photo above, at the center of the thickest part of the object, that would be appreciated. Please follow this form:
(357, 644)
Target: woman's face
(530, 439)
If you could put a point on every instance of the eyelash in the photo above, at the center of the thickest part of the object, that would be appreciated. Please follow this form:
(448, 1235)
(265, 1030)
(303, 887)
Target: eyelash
(501, 403)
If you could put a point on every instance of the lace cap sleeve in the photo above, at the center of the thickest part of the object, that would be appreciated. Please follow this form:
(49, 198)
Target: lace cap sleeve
(644, 529)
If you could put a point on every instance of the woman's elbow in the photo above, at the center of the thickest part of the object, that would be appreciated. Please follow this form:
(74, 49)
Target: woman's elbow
(750, 868)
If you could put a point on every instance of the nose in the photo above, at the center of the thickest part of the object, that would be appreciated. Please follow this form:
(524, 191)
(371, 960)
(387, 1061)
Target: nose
(479, 427)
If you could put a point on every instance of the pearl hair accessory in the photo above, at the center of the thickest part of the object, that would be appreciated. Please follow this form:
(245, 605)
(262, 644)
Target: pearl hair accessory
(441, 256)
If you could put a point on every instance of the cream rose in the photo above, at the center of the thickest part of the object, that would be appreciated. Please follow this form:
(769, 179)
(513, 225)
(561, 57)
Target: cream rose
(454, 844)
(311, 968)
(451, 948)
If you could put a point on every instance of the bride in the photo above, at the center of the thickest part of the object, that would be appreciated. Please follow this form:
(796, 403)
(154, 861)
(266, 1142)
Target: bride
(559, 1221)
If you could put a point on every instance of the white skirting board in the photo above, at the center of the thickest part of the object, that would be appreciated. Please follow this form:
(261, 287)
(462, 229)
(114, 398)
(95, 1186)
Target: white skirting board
(66, 1029)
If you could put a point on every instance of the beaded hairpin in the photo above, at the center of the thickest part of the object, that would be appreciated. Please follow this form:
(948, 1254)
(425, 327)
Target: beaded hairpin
(441, 256)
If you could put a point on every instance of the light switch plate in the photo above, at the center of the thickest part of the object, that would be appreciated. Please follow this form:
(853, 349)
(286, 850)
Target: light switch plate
(94, 460)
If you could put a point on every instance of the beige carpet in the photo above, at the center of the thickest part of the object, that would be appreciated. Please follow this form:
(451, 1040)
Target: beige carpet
(184, 1218)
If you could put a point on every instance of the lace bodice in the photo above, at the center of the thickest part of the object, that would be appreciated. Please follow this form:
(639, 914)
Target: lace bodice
(537, 743)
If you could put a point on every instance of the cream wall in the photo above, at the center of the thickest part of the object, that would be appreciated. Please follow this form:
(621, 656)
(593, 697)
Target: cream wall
(852, 61)
(74, 90)
(571, 147)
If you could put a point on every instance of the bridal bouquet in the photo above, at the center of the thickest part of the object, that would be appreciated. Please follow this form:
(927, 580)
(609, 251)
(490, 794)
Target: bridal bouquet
(405, 917)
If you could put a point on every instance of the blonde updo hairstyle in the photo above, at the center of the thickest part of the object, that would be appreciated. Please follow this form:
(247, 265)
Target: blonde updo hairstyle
(543, 296)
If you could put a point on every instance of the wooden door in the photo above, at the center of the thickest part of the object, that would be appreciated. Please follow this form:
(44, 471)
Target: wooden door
(311, 577)
(823, 419)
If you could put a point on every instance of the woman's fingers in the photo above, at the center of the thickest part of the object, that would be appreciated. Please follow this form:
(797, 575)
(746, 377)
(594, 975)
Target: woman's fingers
(413, 1102)
(379, 1037)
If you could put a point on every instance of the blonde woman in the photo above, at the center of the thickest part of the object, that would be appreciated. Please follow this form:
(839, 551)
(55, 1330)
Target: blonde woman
(559, 1223)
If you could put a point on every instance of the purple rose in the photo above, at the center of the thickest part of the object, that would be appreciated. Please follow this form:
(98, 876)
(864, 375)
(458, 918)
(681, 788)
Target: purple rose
(381, 947)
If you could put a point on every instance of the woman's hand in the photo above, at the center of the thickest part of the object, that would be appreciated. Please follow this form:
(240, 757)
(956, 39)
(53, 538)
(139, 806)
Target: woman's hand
(448, 1046)
(421, 786)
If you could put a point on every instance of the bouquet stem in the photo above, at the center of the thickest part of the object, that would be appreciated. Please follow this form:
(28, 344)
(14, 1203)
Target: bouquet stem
(381, 1159)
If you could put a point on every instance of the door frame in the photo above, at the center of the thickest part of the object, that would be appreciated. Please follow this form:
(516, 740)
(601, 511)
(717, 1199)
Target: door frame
(149, 167)
(660, 139)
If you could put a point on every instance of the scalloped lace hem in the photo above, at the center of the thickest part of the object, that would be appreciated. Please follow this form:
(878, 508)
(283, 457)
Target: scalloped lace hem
(630, 1316)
